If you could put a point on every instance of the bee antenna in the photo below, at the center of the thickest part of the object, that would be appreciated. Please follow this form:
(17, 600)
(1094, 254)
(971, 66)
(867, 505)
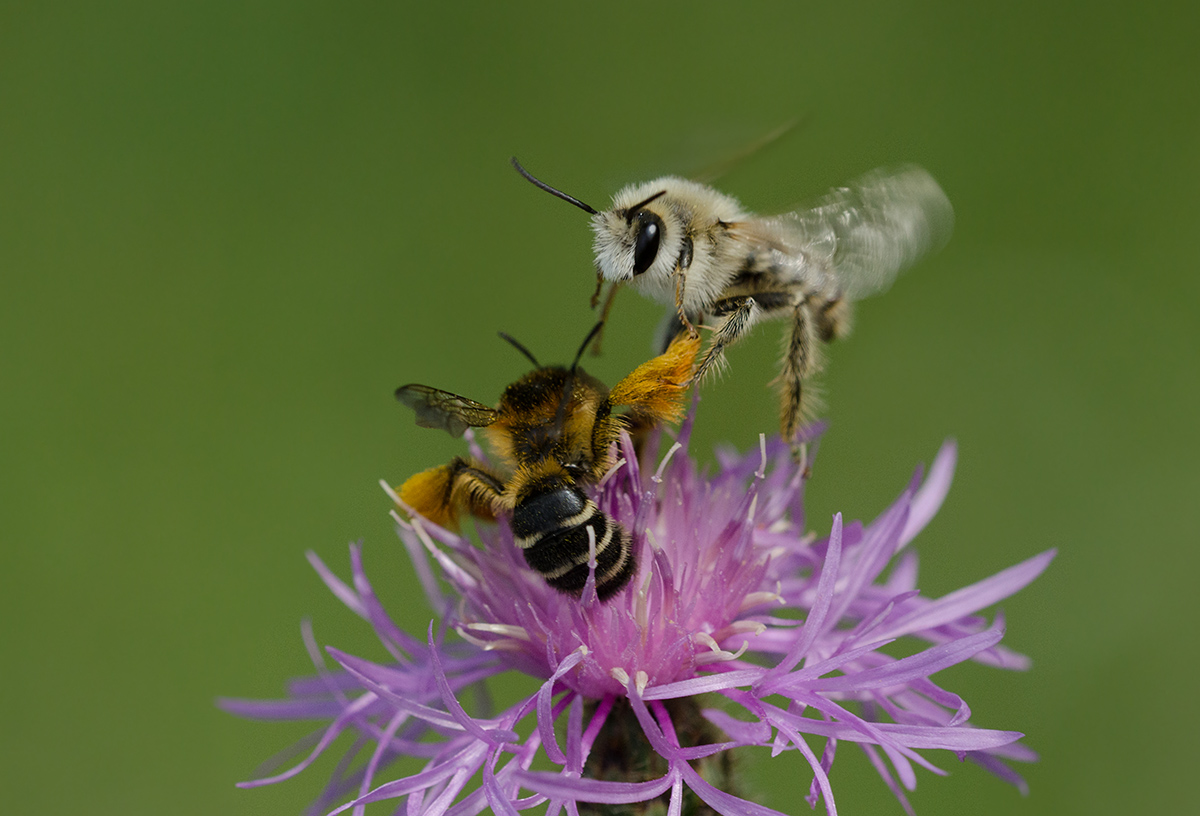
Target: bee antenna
(569, 385)
(521, 349)
(536, 182)
(632, 211)
(587, 341)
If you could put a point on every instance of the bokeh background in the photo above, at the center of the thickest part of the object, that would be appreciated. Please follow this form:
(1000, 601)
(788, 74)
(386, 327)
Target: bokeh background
(229, 230)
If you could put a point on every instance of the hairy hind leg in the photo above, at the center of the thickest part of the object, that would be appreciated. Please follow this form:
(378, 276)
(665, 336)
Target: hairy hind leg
(442, 494)
(801, 359)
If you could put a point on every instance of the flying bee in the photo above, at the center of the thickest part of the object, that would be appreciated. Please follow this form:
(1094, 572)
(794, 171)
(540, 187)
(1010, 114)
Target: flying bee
(554, 429)
(699, 251)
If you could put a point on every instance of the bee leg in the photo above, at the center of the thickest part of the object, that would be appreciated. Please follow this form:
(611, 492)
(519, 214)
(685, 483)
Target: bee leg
(739, 314)
(800, 361)
(668, 329)
(441, 494)
(683, 318)
(599, 287)
(476, 490)
(833, 319)
(608, 302)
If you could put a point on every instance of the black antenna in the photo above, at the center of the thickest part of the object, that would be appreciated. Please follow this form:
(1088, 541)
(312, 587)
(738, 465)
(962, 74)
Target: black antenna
(544, 186)
(632, 211)
(521, 349)
(560, 415)
(586, 342)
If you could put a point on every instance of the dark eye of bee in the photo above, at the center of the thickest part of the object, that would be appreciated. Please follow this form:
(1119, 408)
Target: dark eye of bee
(645, 247)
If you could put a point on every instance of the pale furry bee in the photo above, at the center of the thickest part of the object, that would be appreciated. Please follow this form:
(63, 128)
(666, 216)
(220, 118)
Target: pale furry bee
(554, 429)
(689, 246)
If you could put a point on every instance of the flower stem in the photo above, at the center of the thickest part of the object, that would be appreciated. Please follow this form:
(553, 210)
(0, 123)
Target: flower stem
(621, 753)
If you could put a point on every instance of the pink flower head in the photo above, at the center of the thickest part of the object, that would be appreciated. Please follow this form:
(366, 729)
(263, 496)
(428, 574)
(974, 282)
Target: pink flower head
(772, 637)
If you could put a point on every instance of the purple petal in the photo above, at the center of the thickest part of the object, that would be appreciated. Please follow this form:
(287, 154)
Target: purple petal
(558, 786)
(331, 733)
(816, 619)
(723, 803)
(878, 546)
(343, 593)
(885, 773)
(971, 599)
(470, 760)
(997, 768)
(916, 666)
(380, 752)
(398, 642)
(281, 709)
(950, 738)
(928, 499)
(702, 685)
(746, 733)
(654, 734)
(544, 719)
(500, 804)
(814, 789)
(362, 670)
(455, 708)
(575, 735)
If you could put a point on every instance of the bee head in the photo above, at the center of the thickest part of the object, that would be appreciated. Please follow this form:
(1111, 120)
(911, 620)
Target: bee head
(640, 237)
(632, 236)
(548, 392)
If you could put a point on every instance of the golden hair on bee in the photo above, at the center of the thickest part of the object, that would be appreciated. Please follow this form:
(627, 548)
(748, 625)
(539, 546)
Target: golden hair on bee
(714, 263)
(553, 431)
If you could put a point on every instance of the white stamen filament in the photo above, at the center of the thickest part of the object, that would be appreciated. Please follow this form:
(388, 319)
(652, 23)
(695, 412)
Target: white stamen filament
(754, 628)
(761, 473)
(758, 598)
(506, 645)
(387, 488)
(663, 464)
(641, 607)
(507, 630)
(640, 681)
(720, 656)
(652, 540)
(469, 573)
(608, 474)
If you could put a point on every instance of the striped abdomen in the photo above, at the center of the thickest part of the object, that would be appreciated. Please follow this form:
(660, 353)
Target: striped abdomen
(550, 524)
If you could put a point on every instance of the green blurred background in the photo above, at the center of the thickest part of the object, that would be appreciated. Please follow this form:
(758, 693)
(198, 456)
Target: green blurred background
(230, 230)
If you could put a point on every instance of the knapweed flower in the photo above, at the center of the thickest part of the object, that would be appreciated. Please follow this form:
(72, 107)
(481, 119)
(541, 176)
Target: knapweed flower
(739, 631)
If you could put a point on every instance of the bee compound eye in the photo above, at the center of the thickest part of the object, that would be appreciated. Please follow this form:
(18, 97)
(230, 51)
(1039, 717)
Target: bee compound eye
(645, 247)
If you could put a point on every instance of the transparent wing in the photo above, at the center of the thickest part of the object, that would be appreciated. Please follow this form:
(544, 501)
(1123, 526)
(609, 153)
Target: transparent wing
(441, 409)
(858, 238)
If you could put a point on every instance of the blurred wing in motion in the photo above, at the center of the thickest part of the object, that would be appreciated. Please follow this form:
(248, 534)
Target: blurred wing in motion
(860, 237)
(441, 409)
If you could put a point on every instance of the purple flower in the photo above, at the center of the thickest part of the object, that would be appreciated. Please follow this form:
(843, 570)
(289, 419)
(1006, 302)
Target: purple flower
(739, 630)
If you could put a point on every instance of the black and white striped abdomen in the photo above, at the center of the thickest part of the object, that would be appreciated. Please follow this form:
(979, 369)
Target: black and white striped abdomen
(550, 525)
